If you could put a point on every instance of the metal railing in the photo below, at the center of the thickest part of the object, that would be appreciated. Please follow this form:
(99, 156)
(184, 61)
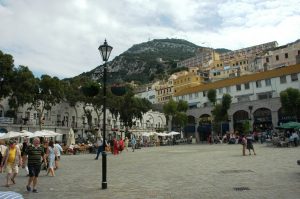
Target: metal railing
(6, 120)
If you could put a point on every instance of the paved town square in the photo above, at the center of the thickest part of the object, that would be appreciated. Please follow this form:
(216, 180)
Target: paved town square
(174, 172)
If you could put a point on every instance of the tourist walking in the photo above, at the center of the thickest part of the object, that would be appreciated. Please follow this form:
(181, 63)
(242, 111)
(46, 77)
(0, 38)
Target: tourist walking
(24, 158)
(126, 142)
(51, 154)
(111, 143)
(2, 152)
(244, 143)
(133, 143)
(59, 151)
(121, 145)
(116, 146)
(250, 144)
(100, 146)
(11, 161)
(34, 153)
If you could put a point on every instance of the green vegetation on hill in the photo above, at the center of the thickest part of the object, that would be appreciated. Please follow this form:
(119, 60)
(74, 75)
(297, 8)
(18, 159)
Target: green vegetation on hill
(149, 61)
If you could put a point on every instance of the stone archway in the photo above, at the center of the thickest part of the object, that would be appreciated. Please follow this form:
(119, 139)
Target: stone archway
(189, 129)
(239, 117)
(204, 128)
(262, 119)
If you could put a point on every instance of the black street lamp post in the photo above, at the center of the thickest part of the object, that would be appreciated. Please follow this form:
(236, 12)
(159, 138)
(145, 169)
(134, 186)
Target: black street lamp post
(105, 51)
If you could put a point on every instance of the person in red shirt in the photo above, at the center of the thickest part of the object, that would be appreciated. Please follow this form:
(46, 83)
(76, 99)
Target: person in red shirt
(116, 148)
(121, 145)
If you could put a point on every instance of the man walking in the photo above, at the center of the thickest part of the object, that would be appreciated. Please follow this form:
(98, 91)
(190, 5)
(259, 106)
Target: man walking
(100, 147)
(24, 157)
(35, 155)
(59, 151)
(133, 143)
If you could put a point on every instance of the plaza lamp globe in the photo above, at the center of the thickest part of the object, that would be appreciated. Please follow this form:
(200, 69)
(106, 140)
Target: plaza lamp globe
(105, 51)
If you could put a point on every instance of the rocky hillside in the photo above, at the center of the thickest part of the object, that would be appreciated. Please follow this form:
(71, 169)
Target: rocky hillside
(149, 61)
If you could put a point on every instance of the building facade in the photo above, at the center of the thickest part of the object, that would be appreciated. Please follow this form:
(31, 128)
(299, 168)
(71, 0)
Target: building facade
(62, 117)
(255, 97)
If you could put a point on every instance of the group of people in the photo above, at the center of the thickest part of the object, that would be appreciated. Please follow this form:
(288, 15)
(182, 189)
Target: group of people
(247, 142)
(31, 157)
(114, 146)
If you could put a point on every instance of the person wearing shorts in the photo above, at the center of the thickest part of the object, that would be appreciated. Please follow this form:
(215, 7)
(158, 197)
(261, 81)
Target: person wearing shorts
(35, 155)
(11, 162)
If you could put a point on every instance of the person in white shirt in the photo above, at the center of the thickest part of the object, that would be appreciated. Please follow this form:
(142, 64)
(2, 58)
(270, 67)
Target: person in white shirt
(2, 151)
(100, 147)
(59, 151)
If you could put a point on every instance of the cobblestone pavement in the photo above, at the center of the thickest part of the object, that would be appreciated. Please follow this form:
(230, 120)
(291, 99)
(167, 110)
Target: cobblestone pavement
(174, 172)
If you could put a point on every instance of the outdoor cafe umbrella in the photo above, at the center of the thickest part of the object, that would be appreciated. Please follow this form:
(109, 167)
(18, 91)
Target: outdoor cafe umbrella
(10, 134)
(290, 125)
(25, 133)
(45, 133)
(174, 133)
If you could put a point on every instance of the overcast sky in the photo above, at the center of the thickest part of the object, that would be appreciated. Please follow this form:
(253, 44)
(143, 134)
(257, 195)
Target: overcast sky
(61, 37)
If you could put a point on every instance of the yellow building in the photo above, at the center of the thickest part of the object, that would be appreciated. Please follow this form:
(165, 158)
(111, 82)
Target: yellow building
(186, 80)
(164, 91)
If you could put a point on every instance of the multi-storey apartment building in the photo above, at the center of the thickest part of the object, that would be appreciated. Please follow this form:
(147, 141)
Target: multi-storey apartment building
(164, 91)
(186, 80)
(228, 64)
(281, 56)
(178, 81)
(248, 52)
(203, 58)
(254, 96)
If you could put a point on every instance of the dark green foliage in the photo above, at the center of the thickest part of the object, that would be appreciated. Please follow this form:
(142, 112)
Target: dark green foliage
(90, 89)
(212, 96)
(23, 87)
(220, 110)
(10, 113)
(176, 111)
(6, 74)
(128, 107)
(290, 102)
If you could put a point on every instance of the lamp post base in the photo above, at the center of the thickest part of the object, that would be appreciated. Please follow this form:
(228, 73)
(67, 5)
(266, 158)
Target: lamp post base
(104, 182)
(104, 185)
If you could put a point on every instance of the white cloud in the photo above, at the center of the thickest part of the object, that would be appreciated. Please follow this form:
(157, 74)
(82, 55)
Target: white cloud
(61, 38)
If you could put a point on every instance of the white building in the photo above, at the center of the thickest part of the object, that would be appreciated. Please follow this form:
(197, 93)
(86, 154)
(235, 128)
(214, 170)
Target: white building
(62, 117)
(254, 96)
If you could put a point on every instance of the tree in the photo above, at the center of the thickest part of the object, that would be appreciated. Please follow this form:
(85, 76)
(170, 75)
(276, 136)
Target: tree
(6, 74)
(90, 90)
(175, 113)
(219, 111)
(290, 102)
(83, 89)
(128, 107)
(22, 85)
(48, 93)
(212, 96)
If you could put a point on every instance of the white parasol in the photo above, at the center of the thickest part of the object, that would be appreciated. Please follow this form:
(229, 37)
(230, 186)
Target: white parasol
(174, 133)
(45, 133)
(10, 134)
(25, 133)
